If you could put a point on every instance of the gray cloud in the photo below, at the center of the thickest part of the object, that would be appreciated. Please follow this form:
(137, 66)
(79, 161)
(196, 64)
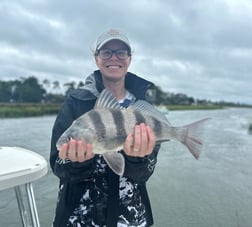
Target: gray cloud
(200, 48)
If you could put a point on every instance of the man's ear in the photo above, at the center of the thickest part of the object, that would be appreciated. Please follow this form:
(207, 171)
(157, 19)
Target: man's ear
(96, 60)
(130, 60)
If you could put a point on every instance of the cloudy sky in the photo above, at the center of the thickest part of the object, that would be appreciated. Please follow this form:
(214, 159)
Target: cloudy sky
(202, 48)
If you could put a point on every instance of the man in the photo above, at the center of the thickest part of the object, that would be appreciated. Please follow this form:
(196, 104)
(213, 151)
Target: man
(90, 194)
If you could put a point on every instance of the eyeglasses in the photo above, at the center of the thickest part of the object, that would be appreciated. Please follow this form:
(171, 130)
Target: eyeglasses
(106, 54)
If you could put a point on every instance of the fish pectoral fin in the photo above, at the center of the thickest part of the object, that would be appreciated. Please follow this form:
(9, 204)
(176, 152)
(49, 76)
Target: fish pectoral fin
(115, 161)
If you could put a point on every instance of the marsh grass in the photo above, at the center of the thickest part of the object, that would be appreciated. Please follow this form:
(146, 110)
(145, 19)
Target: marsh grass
(194, 107)
(11, 110)
(15, 110)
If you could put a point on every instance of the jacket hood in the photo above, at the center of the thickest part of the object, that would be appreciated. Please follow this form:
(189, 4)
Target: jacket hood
(93, 86)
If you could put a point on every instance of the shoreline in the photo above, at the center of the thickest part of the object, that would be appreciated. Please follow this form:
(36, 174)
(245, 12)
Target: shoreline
(18, 110)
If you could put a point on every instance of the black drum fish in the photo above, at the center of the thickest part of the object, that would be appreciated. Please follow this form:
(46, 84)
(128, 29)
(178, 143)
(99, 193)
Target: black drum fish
(108, 124)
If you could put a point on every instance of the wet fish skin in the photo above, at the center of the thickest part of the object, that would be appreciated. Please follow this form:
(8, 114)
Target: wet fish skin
(108, 124)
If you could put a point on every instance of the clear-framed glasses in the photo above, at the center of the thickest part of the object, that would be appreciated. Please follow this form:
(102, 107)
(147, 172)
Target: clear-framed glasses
(106, 54)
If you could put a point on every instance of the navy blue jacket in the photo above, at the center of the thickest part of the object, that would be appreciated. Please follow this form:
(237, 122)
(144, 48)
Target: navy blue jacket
(75, 174)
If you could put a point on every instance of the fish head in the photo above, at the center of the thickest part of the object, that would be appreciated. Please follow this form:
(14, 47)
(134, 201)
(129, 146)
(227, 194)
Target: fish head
(87, 135)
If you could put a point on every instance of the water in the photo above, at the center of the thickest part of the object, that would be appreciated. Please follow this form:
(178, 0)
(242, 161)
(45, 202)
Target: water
(215, 191)
(34, 134)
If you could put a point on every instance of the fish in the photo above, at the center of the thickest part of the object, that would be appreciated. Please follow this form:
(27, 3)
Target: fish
(107, 125)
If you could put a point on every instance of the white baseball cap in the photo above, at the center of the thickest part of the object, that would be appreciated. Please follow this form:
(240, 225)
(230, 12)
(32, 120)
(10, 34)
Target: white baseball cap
(111, 34)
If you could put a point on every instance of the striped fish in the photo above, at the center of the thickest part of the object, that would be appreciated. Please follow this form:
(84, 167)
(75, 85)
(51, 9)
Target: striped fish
(108, 124)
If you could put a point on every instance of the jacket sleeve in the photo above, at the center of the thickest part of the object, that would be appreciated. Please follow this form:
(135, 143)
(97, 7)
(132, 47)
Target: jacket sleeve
(140, 169)
(67, 170)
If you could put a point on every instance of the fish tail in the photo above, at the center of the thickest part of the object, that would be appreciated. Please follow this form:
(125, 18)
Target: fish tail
(192, 136)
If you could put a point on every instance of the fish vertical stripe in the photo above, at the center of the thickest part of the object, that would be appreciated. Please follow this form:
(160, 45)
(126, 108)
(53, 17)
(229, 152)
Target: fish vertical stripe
(157, 127)
(99, 126)
(119, 122)
(139, 117)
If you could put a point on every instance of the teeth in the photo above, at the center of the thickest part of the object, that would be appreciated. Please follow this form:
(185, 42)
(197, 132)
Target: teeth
(114, 66)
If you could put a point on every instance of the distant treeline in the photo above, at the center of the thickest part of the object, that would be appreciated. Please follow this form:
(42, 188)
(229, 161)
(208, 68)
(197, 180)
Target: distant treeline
(30, 90)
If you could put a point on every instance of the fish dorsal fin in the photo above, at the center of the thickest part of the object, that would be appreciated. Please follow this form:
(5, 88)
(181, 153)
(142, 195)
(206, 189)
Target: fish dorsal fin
(148, 109)
(107, 100)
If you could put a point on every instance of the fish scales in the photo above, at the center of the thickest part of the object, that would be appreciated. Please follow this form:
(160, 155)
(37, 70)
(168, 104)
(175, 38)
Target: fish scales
(97, 123)
(115, 128)
(130, 120)
(133, 118)
(103, 123)
(114, 125)
(119, 122)
(139, 117)
(148, 120)
(157, 127)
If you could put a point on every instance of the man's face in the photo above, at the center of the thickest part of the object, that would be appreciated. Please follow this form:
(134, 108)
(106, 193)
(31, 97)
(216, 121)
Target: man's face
(114, 68)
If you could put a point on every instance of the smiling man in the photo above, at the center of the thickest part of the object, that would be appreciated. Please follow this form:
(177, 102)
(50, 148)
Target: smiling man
(90, 194)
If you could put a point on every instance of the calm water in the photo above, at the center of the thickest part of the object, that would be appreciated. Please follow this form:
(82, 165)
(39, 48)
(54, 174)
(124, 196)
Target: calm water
(215, 191)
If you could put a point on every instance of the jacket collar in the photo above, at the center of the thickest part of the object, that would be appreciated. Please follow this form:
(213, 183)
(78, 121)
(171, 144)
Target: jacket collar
(93, 86)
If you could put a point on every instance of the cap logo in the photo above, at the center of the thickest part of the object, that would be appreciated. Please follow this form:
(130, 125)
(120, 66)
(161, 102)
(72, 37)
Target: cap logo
(113, 32)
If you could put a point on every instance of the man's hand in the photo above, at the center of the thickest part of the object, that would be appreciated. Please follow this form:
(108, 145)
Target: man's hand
(76, 151)
(141, 143)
